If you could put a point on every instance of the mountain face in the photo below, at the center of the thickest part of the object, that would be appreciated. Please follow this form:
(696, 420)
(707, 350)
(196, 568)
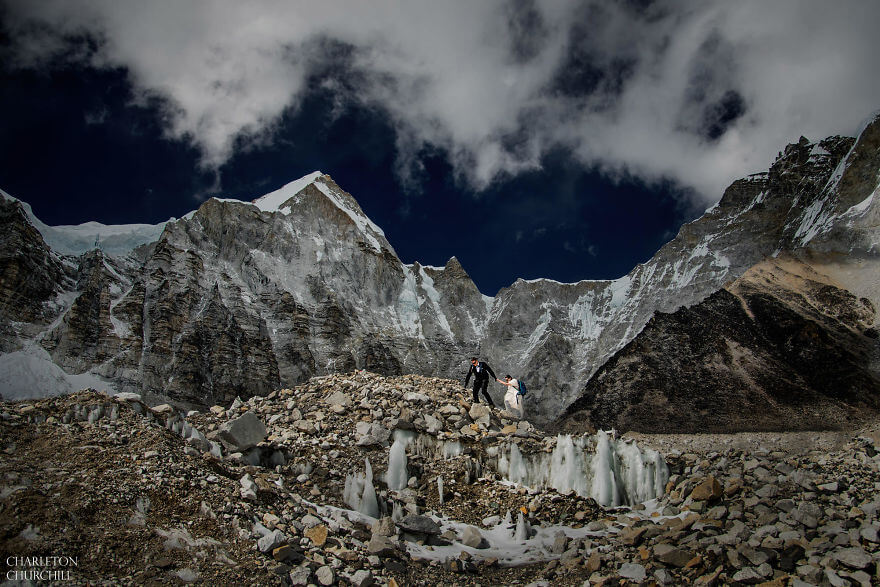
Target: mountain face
(815, 202)
(241, 298)
(781, 347)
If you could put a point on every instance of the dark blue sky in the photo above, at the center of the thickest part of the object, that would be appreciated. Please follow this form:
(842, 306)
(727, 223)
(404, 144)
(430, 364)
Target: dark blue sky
(563, 222)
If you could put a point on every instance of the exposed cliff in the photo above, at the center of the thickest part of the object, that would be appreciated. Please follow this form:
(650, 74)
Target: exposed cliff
(782, 348)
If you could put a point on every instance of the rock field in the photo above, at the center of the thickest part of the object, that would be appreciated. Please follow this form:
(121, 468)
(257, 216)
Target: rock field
(260, 493)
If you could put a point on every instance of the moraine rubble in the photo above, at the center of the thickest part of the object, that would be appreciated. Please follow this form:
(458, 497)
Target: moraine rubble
(273, 491)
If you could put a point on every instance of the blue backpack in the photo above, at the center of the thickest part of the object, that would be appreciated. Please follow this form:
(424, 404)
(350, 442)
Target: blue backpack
(522, 387)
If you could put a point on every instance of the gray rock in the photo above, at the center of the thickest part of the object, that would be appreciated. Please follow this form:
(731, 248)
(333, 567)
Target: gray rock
(810, 573)
(325, 575)
(672, 555)
(432, 424)
(785, 505)
(187, 575)
(480, 413)
(749, 576)
(417, 398)
(632, 571)
(834, 579)
(560, 543)
(869, 532)
(381, 546)
(384, 527)
(473, 538)
(244, 432)
(338, 398)
(807, 514)
(854, 558)
(664, 577)
(374, 434)
(310, 521)
(416, 524)
(300, 576)
(271, 541)
(755, 556)
(767, 491)
(248, 487)
(362, 578)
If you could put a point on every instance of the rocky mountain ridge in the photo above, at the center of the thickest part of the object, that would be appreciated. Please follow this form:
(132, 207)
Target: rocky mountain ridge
(240, 298)
(781, 347)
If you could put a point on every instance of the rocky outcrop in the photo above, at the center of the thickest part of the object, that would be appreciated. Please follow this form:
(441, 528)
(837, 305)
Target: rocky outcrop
(782, 348)
(31, 277)
(86, 337)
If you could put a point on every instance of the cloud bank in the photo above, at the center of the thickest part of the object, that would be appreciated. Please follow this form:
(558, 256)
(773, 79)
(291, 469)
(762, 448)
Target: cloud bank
(698, 93)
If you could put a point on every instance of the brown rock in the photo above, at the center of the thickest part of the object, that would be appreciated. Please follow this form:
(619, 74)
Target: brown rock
(671, 555)
(710, 579)
(708, 490)
(733, 486)
(594, 562)
(284, 553)
(632, 536)
(317, 534)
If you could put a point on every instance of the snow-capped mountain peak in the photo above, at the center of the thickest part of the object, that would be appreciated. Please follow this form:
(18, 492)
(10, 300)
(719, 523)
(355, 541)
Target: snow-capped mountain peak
(278, 201)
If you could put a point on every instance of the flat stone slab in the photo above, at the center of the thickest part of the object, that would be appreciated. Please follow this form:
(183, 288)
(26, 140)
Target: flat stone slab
(415, 524)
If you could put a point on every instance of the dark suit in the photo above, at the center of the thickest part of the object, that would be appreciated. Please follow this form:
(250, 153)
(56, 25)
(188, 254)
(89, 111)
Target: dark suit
(481, 372)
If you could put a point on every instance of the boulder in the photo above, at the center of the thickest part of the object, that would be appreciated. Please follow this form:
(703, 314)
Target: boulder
(271, 541)
(709, 490)
(471, 537)
(415, 524)
(338, 399)
(380, 546)
(672, 555)
(242, 433)
(480, 413)
(633, 572)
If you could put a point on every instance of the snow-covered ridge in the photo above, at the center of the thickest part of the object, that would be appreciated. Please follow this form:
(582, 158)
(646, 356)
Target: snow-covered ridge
(114, 239)
(121, 239)
(273, 201)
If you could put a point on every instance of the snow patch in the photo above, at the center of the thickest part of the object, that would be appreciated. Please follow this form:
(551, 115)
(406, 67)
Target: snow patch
(434, 296)
(113, 239)
(862, 206)
(30, 373)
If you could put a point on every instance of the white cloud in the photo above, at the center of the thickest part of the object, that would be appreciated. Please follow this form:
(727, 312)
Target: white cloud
(497, 82)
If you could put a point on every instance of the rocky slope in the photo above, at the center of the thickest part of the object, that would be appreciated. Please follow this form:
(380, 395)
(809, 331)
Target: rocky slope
(259, 492)
(782, 347)
(241, 298)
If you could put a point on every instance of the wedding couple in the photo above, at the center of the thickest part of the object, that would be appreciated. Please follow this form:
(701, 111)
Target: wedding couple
(481, 372)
